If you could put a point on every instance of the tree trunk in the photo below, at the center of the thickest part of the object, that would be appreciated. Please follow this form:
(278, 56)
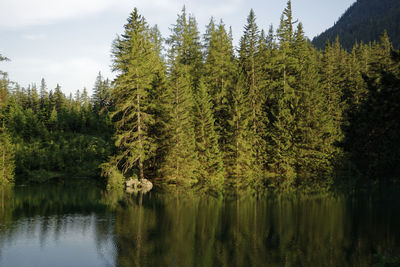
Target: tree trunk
(139, 122)
(4, 160)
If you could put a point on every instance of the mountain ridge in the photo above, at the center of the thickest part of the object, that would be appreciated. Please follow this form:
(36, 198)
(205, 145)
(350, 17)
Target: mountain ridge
(364, 21)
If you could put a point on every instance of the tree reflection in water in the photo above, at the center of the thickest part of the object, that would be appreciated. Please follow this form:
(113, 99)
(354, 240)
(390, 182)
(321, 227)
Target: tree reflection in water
(115, 229)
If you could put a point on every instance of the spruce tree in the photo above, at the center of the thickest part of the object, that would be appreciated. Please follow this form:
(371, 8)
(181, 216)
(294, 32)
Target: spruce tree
(158, 95)
(211, 168)
(59, 98)
(282, 122)
(44, 99)
(185, 46)
(133, 57)
(101, 93)
(250, 66)
(313, 151)
(240, 152)
(355, 89)
(157, 40)
(6, 148)
(332, 72)
(6, 157)
(220, 69)
(180, 167)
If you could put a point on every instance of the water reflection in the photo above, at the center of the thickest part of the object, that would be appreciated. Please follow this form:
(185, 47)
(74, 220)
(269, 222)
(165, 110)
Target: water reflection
(48, 225)
(56, 225)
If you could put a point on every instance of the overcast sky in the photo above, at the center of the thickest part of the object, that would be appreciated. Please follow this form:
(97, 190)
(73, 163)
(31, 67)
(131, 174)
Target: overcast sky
(69, 41)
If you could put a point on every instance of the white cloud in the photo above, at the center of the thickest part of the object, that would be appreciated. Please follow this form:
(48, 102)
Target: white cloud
(20, 13)
(71, 73)
(34, 37)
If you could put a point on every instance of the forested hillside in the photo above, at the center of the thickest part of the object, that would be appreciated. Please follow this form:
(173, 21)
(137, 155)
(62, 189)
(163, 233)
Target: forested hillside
(364, 22)
(192, 112)
(54, 136)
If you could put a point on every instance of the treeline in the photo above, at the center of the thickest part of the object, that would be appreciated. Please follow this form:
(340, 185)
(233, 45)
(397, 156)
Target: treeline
(364, 22)
(275, 113)
(194, 112)
(49, 135)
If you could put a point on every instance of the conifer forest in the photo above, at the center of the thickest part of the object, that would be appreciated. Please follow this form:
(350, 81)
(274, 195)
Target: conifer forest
(192, 111)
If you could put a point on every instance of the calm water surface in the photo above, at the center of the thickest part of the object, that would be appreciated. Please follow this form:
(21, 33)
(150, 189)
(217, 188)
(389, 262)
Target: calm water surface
(81, 225)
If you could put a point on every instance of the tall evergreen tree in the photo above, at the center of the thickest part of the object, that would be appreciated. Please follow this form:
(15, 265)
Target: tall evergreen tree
(59, 98)
(251, 68)
(6, 148)
(101, 98)
(240, 153)
(185, 46)
(181, 164)
(282, 122)
(157, 40)
(133, 57)
(313, 152)
(220, 69)
(211, 168)
(332, 80)
(6, 157)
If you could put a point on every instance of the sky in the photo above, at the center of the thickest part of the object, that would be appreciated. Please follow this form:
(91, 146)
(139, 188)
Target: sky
(68, 42)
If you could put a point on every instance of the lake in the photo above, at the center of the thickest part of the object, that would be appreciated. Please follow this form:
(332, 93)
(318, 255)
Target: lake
(80, 224)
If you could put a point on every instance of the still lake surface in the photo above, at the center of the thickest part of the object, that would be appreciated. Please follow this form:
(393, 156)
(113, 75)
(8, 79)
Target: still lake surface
(82, 225)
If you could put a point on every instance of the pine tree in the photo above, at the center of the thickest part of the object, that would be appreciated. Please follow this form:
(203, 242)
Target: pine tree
(6, 148)
(157, 40)
(44, 99)
(240, 153)
(159, 96)
(211, 168)
(220, 68)
(101, 94)
(181, 161)
(6, 157)
(59, 98)
(53, 120)
(381, 56)
(355, 89)
(332, 81)
(43, 92)
(313, 151)
(372, 136)
(251, 67)
(282, 122)
(185, 46)
(35, 101)
(133, 56)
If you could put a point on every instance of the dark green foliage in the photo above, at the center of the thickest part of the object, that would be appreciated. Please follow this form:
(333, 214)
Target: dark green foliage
(332, 80)
(7, 164)
(364, 22)
(284, 103)
(134, 58)
(240, 152)
(372, 137)
(220, 69)
(311, 137)
(250, 65)
(211, 169)
(101, 94)
(180, 166)
(185, 47)
(54, 137)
